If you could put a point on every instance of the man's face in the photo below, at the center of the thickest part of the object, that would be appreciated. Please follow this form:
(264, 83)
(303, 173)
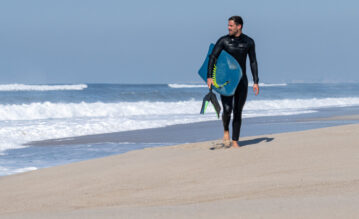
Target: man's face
(233, 29)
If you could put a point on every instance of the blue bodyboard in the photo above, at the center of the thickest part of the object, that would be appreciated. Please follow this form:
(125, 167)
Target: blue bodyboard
(228, 72)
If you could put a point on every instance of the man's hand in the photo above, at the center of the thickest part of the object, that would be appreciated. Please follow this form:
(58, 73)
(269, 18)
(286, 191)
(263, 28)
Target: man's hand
(209, 82)
(256, 89)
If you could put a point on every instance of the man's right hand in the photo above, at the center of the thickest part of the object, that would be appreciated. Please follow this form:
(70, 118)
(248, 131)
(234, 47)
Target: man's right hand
(209, 82)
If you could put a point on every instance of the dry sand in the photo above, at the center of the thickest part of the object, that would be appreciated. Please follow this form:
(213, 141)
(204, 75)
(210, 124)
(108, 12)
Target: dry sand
(308, 174)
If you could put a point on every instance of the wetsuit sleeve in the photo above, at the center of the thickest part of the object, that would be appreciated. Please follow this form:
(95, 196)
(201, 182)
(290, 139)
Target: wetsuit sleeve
(213, 57)
(253, 63)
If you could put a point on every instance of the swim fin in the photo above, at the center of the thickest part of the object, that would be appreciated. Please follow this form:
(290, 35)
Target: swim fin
(210, 97)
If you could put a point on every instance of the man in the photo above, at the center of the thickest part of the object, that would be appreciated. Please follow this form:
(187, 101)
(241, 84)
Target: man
(239, 46)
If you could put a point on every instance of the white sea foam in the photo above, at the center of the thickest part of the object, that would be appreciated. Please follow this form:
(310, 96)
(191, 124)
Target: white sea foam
(300, 104)
(268, 85)
(7, 171)
(186, 85)
(25, 169)
(49, 110)
(15, 133)
(204, 85)
(26, 87)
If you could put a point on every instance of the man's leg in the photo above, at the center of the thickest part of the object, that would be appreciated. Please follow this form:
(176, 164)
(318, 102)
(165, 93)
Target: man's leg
(227, 103)
(239, 100)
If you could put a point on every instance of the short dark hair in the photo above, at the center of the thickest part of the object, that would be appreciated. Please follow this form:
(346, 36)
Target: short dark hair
(237, 20)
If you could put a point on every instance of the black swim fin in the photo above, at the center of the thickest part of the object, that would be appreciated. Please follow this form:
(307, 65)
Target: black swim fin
(211, 97)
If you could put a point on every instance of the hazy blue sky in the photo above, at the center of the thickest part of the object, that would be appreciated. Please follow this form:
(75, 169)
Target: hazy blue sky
(84, 41)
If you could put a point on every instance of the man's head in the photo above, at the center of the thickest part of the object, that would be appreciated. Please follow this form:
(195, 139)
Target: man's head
(235, 24)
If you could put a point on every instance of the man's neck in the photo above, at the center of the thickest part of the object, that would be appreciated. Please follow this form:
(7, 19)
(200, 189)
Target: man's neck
(238, 34)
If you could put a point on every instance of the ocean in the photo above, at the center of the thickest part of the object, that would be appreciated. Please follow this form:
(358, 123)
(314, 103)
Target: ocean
(38, 112)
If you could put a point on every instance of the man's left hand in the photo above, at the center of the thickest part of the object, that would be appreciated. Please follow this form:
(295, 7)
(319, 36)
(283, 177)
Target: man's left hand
(256, 89)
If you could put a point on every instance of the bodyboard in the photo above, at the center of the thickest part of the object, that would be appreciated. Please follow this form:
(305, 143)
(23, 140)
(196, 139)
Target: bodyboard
(227, 72)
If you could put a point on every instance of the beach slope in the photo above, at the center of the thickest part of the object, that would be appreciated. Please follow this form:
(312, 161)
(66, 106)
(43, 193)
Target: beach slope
(307, 174)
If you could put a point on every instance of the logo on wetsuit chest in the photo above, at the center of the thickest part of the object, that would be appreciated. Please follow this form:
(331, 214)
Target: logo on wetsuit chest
(238, 45)
(242, 45)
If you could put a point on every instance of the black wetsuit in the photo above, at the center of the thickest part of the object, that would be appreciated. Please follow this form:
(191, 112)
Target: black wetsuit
(239, 48)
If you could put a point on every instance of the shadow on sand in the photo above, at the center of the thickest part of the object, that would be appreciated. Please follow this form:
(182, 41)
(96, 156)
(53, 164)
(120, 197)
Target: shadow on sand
(243, 143)
(254, 141)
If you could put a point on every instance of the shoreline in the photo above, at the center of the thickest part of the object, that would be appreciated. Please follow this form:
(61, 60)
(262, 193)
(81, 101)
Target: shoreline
(198, 131)
(75, 149)
(312, 173)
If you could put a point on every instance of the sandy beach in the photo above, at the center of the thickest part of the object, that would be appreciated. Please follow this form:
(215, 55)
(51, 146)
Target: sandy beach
(307, 174)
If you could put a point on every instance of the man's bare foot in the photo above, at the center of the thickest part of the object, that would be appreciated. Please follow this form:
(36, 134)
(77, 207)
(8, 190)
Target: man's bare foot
(226, 140)
(226, 135)
(235, 144)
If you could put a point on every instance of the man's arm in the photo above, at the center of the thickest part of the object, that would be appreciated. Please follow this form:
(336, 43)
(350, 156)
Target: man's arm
(254, 67)
(253, 63)
(213, 59)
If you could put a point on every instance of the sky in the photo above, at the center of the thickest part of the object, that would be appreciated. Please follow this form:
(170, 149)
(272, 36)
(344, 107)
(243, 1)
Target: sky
(163, 41)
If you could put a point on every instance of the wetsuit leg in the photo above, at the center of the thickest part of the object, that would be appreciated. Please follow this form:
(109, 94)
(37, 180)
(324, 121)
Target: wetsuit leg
(227, 103)
(240, 97)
